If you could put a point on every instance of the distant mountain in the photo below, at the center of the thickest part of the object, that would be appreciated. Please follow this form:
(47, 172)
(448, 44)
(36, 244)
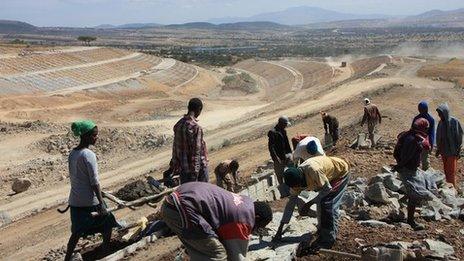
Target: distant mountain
(7, 27)
(127, 26)
(299, 16)
(436, 18)
(229, 26)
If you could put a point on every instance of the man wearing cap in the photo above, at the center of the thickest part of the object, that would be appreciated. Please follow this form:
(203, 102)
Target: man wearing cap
(279, 146)
(328, 176)
(307, 148)
(330, 126)
(372, 117)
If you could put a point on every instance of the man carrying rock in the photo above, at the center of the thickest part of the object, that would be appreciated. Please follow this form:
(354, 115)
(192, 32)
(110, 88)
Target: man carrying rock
(189, 152)
(372, 117)
(212, 223)
(411, 144)
(279, 147)
(330, 126)
(227, 174)
(328, 176)
(423, 108)
(307, 148)
(449, 142)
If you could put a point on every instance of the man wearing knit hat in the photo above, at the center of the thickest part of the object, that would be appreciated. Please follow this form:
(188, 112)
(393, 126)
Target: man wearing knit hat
(279, 146)
(328, 176)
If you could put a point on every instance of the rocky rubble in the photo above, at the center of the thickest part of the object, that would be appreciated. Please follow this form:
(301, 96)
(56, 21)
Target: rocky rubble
(29, 126)
(379, 202)
(110, 140)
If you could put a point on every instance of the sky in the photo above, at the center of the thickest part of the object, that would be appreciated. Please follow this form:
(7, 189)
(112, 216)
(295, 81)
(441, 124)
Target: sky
(96, 12)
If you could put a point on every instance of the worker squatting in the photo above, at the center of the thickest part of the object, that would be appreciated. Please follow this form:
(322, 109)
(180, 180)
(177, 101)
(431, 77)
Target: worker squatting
(215, 223)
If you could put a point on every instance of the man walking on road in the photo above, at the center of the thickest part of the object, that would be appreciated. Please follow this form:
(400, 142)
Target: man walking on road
(449, 142)
(372, 117)
(189, 152)
(279, 147)
(423, 108)
(330, 126)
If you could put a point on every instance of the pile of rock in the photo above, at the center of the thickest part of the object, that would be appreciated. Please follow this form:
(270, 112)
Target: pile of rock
(382, 198)
(29, 126)
(110, 140)
(427, 249)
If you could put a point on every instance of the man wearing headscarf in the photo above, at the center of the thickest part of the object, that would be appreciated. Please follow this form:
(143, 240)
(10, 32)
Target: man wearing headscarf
(423, 108)
(372, 117)
(449, 142)
(328, 176)
(85, 196)
(411, 144)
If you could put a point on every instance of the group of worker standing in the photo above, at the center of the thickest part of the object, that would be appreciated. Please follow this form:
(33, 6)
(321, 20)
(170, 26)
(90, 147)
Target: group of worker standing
(215, 223)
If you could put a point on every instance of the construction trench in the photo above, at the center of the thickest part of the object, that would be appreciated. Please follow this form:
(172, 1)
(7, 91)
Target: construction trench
(381, 191)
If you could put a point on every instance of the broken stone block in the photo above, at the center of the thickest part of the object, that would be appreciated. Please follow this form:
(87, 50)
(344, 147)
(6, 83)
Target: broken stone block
(392, 184)
(393, 194)
(352, 199)
(374, 223)
(21, 185)
(440, 249)
(387, 169)
(377, 193)
(395, 203)
(382, 253)
(438, 176)
(5, 218)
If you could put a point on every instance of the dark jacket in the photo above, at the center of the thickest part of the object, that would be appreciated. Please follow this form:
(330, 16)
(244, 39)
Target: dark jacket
(425, 107)
(449, 133)
(408, 151)
(278, 144)
(330, 123)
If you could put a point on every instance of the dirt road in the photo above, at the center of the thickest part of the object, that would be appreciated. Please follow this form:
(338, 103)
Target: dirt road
(48, 229)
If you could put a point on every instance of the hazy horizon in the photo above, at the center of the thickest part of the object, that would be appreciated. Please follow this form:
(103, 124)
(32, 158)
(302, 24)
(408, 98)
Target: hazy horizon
(81, 13)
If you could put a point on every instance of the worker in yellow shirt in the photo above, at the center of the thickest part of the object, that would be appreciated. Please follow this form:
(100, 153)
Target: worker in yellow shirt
(328, 176)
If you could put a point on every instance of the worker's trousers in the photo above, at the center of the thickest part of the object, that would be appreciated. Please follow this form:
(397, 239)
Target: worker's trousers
(330, 214)
(208, 249)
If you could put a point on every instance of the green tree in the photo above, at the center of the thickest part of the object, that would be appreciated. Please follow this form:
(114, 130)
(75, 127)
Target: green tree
(86, 39)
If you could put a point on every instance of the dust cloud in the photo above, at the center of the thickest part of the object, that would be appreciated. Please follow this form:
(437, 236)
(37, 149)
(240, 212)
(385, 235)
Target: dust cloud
(439, 49)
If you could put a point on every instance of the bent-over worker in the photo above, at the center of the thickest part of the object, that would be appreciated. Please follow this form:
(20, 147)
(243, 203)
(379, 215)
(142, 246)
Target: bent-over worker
(213, 223)
(85, 196)
(330, 126)
(227, 174)
(328, 176)
(307, 148)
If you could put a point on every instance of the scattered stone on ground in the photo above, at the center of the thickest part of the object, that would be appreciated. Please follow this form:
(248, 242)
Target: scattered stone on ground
(21, 184)
(5, 218)
(440, 249)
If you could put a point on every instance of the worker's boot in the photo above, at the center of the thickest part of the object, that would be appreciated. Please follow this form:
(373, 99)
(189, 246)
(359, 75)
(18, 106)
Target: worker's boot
(416, 226)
